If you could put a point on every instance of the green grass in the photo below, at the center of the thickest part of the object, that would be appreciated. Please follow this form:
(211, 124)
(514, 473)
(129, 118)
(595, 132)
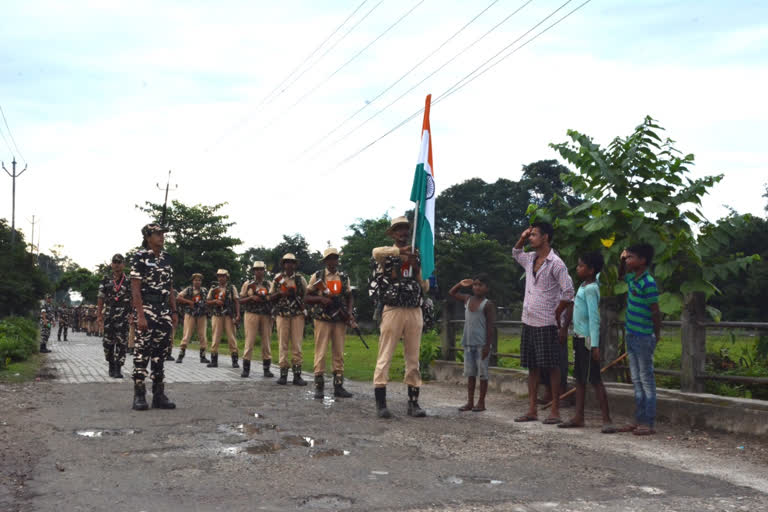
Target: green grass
(21, 371)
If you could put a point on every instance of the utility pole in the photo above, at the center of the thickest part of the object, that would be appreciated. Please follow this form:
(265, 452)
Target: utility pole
(165, 204)
(32, 238)
(13, 176)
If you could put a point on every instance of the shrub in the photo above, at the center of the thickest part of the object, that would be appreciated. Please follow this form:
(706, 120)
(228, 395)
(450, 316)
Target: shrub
(18, 339)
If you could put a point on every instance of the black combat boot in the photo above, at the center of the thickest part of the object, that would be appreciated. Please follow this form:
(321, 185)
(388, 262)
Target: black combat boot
(267, 363)
(169, 357)
(283, 380)
(246, 368)
(413, 403)
(139, 396)
(297, 380)
(203, 359)
(214, 361)
(111, 369)
(44, 349)
(118, 374)
(381, 403)
(319, 387)
(180, 357)
(234, 360)
(338, 386)
(159, 400)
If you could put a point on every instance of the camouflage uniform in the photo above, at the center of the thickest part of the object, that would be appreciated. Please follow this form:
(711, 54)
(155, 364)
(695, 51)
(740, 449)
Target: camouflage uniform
(257, 320)
(151, 345)
(64, 319)
(290, 323)
(223, 322)
(116, 295)
(195, 319)
(46, 319)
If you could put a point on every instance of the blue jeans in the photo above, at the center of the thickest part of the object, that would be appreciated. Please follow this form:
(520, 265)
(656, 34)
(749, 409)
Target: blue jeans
(640, 348)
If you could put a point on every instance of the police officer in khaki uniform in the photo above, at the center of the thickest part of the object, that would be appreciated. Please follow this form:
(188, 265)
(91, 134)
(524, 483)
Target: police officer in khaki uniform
(192, 298)
(401, 290)
(226, 314)
(289, 289)
(254, 298)
(329, 291)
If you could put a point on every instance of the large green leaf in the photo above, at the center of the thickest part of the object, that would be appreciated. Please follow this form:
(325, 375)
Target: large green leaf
(670, 303)
(599, 223)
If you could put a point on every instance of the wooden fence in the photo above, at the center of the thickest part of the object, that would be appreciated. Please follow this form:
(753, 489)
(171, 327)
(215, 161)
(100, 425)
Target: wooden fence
(693, 326)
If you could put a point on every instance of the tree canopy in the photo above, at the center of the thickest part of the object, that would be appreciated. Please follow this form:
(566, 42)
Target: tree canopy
(23, 284)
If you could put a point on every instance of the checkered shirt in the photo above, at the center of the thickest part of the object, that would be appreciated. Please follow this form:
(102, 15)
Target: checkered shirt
(544, 290)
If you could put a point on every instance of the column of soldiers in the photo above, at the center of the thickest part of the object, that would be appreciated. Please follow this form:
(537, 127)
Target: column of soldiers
(142, 308)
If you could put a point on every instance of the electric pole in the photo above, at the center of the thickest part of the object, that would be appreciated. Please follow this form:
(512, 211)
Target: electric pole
(13, 176)
(165, 204)
(32, 238)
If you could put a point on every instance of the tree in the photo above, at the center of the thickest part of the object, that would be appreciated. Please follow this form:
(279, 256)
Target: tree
(468, 254)
(636, 189)
(197, 241)
(309, 261)
(253, 254)
(23, 284)
(546, 179)
(81, 280)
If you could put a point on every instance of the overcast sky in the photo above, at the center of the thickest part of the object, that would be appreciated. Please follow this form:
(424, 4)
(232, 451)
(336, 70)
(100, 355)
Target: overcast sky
(104, 97)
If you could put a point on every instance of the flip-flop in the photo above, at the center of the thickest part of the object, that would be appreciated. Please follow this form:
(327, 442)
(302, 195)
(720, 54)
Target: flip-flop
(464, 408)
(526, 417)
(552, 421)
(644, 431)
(608, 429)
(478, 409)
(627, 428)
(570, 424)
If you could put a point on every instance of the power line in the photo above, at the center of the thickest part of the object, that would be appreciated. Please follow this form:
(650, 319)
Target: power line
(382, 93)
(446, 63)
(11, 135)
(10, 150)
(456, 87)
(296, 78)
(323, 82)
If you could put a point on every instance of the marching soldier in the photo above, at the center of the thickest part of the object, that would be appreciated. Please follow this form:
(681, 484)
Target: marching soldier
(400, 289)
(46, 319)
(115, 301)
(154, 301)
(329, 291)
(192, 299)
(225, 305)
(64, 320)
(254, 297)
(289, 289)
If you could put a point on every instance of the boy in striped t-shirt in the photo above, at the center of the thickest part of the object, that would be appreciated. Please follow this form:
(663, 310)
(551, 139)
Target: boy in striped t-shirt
(643, 326)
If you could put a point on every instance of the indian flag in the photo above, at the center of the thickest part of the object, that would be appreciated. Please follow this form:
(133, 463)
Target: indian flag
(423, 194)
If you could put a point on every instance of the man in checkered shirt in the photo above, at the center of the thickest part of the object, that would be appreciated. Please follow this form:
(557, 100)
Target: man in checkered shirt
(548, 293)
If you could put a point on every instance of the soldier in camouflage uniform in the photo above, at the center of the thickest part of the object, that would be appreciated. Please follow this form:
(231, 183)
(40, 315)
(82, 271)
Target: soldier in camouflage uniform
(46, 319)
(225, 304)
(192, 300)
(400, 289)
(155, 303)
(254, 298)
(65, 316)
(329, 291)
(289, 289)
(115, 301)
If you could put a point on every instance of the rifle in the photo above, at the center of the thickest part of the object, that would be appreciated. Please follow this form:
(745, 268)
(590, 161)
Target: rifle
(337, 309)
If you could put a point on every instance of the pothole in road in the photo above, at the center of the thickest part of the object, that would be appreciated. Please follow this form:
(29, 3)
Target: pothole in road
(327, 401)
(246, 429)
(305, 441)
(326, 502)
(104, 432)
(329, 452)
(459, 480)
(264, 447)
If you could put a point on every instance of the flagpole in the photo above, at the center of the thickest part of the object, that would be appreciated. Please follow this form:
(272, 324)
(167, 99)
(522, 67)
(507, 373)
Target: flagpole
(415, 225)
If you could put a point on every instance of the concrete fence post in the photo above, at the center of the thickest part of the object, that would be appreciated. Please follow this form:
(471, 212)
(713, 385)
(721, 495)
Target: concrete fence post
(493, 358)
(448, 331)
(693, 337)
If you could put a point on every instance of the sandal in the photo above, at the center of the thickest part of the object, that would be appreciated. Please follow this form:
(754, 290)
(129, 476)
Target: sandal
(478, 409)
(570, 424)
(465, 408)
(552, 421)
(526, 417)
(608, 429)
(627, 428)
(644, 431)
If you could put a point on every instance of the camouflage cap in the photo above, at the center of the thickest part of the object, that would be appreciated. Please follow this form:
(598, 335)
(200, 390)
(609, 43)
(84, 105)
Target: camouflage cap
(330, 252)
(118, 258)
(152, 228)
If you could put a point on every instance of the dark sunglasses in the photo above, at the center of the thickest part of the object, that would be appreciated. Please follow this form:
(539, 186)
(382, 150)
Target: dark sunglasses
(117, 261)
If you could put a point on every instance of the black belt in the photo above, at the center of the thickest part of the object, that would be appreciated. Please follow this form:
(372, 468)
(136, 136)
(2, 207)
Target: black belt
(155, 300)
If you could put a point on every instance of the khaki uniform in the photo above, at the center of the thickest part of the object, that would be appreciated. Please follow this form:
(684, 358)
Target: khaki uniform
(290, 318)
(194, 323)
(326, 331)
(399, 323)
(222, 321)
(257, 322)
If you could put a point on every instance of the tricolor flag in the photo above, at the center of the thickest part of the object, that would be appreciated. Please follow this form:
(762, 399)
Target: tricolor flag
(423, 194)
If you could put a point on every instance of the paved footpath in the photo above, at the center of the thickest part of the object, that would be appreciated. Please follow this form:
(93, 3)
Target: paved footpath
(81, 360)
(69, 443)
